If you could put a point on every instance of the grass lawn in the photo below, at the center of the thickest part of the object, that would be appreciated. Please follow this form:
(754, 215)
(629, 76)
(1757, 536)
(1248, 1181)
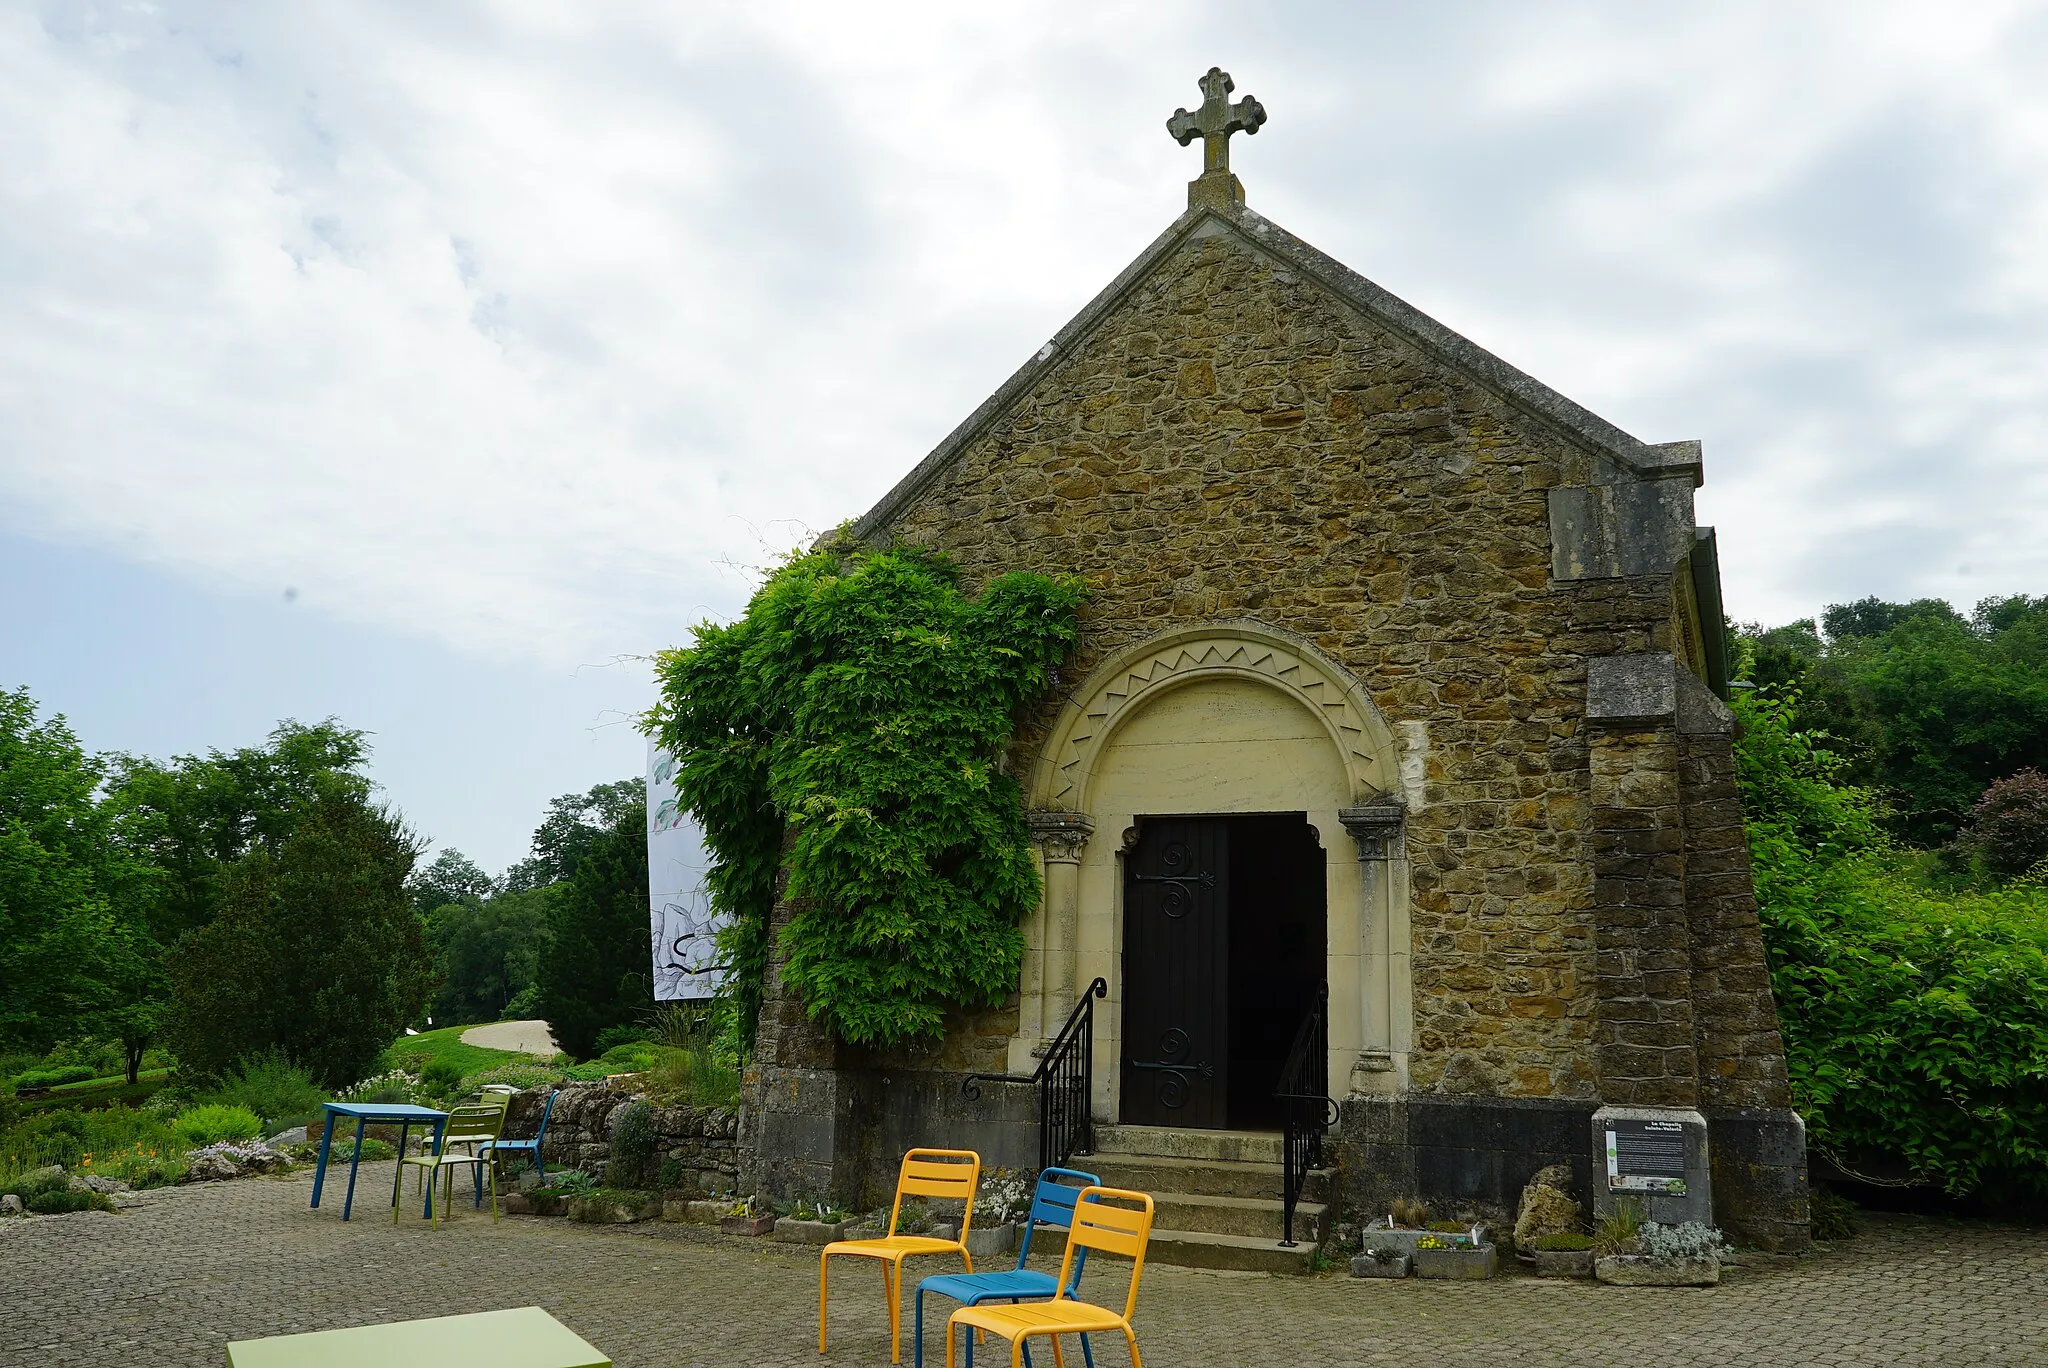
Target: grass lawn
(415, 1053)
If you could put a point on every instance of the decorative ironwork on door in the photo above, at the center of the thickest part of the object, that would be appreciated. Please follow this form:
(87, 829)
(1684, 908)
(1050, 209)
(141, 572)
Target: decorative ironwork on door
(1176, 1000)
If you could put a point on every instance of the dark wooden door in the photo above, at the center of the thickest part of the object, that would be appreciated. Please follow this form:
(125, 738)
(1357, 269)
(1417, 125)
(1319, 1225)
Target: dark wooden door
(1176, 974)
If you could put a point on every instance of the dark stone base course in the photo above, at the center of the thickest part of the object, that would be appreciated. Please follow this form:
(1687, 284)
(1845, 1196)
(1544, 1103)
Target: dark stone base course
(1476, 1154)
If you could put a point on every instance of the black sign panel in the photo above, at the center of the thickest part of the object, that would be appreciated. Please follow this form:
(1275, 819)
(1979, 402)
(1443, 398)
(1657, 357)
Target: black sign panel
(1645, 1156)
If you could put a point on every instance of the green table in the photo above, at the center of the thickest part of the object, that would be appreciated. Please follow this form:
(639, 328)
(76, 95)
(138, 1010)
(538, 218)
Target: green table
(527, 1337)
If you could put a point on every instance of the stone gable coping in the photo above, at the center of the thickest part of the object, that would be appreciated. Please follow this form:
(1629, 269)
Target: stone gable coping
(1634, 460)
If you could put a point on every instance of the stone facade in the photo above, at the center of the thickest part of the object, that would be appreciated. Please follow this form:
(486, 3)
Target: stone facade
(1239, 430)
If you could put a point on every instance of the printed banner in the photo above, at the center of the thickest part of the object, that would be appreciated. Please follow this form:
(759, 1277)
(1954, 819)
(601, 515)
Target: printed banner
(679, 918)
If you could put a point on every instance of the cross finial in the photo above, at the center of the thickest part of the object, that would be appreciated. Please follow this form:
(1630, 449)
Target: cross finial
(1215, 121)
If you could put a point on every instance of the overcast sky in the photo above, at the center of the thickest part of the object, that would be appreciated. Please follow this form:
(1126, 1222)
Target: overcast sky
(429, 365)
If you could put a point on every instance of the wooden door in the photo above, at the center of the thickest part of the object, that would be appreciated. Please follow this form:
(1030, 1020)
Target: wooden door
(1176, 974)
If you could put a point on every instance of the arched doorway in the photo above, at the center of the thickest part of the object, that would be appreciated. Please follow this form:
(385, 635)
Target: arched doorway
(1229, 746)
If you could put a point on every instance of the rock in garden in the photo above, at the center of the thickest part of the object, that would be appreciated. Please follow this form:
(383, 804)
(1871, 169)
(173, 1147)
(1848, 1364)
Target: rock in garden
(102, 1185)
(211, 1166)
(43, 1177)
(1547, 1206)
(10, 1205)
(295, 1136)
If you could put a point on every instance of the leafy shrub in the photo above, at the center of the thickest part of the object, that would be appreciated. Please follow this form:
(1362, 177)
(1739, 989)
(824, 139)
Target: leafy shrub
(864, 703)
(633, 1153)
(212, 1122)
(1832, 1216)
(1915, 1022)
(611, 1037)
(55, 1076)
(2008, 828)
(280, 1092)
(441, 1077)
(58, 1201)
(1570, 1242)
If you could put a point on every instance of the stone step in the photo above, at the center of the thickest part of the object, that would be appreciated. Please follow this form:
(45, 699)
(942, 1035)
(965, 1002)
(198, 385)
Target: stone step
(1217, 1146)
(1257, 1217)
(1194, 1249)
(1157, 1173)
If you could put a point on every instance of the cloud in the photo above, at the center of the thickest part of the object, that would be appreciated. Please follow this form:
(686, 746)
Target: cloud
(514, 327)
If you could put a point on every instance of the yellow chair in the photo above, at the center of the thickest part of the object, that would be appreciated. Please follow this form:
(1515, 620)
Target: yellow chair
(948, 1175)
(1121, 1230)
(476, 1124)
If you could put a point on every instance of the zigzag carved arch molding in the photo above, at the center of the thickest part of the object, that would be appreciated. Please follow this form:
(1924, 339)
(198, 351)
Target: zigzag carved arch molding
(1122, 685)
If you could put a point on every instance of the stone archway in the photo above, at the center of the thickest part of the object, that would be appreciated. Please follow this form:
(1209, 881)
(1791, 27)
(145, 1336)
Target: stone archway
(1225, 717)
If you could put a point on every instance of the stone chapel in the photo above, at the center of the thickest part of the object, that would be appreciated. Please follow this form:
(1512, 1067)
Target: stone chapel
(1400, 690)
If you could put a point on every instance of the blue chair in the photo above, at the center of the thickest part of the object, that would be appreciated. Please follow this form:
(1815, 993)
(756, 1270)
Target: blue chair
(497, 1147)
(1053, 1203)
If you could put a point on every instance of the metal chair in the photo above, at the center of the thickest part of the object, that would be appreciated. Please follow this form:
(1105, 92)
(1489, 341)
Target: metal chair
(498, 1149)
(1115, 1220)
(949, 1175)
(473, 1124)
(1053, 1203)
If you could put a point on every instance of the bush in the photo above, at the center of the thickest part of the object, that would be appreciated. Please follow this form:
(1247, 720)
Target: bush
(395, 1087)
(442, 1077)
(633, 1154)
(56, 1202)
(611, 1037)
(1832, 1215)
(277, 1090)
(212, 1122)
(2008, 827)
(54, 1077)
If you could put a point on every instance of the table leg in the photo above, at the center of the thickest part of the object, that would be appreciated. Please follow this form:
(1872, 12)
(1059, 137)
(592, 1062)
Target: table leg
(429, 1212)
(398, 1178)
(349, 1202)
(320, 1172)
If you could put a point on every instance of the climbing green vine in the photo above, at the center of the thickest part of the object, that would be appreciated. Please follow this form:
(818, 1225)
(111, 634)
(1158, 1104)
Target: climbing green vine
(853, 724)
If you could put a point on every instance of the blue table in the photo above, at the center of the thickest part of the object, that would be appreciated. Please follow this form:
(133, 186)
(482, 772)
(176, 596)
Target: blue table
(402, 1115)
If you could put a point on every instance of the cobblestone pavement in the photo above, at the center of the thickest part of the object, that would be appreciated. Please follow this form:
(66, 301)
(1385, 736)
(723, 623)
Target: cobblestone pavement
(170, 1281)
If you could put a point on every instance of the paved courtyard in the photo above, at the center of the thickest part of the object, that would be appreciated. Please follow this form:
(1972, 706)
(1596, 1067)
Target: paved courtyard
(170, 1281)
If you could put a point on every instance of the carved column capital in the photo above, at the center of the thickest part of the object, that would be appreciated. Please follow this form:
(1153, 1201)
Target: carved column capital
(1375, 826)
(1059, 833)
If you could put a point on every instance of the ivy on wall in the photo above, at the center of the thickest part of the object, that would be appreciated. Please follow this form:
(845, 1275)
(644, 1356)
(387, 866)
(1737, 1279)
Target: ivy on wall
(853, 723)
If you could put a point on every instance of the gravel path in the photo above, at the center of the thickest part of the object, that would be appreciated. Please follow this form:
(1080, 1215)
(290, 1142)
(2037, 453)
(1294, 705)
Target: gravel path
(531, 1037)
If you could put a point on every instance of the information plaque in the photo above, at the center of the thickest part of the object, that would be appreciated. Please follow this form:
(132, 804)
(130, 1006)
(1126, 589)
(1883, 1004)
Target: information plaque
(1645, 1156)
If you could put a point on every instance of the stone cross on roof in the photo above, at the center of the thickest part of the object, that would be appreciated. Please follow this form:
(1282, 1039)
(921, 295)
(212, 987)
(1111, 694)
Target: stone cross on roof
(1215, 121)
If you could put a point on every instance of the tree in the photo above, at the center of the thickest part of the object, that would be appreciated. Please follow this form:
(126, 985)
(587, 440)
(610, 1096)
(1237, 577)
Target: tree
(452, 878)
(489, 952)
(2008, 828)
(598, 972)
(316, 949)
(575, 822)
(62, 883)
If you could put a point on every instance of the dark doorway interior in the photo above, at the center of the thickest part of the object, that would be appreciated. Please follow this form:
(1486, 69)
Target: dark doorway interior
(1277, 934)
(1224, 932)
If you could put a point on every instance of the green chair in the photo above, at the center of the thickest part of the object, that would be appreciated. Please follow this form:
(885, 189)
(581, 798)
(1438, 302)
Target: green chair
(475, 1124)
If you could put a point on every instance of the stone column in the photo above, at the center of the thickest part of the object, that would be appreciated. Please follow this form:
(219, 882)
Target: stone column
(1061, 836)
(1376, 827)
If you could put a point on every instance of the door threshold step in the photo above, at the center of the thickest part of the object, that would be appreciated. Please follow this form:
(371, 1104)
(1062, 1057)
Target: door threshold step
(1202, 1249)
(1157, 1173)
(1257, 1218)
(1256, 1147)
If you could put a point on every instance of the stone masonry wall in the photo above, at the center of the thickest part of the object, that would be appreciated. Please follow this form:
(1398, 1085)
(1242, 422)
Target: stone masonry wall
(1234, 442)
(703, 1140)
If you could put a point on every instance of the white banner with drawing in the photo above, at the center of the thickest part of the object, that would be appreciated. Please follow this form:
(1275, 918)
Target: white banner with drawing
(679, 917)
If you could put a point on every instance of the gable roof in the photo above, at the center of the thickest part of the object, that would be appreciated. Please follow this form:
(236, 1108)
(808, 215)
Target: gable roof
(1634, 458)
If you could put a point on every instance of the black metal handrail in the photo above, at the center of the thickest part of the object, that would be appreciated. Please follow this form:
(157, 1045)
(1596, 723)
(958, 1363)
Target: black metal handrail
(1306, 1106)
(1065, 1080)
